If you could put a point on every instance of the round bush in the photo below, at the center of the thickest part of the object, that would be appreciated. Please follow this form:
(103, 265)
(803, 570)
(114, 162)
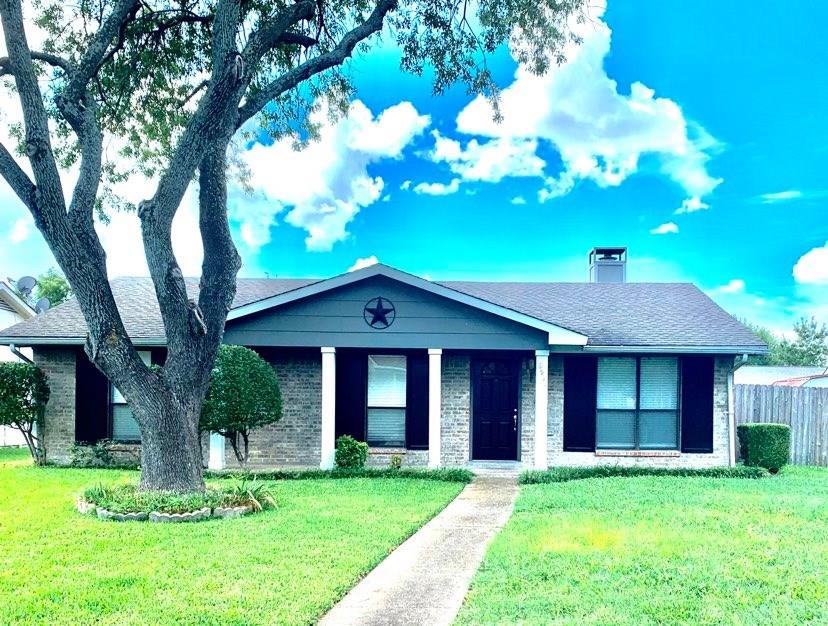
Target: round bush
(350, 453)
(765, 445)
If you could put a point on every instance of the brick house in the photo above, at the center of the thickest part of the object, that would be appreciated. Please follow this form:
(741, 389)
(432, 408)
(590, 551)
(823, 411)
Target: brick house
(442, 373)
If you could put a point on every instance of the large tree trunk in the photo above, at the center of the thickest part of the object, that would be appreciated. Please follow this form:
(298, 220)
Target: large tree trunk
(170, 441)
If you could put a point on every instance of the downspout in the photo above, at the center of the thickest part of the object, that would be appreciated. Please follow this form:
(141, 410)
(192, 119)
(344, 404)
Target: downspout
(19, 354)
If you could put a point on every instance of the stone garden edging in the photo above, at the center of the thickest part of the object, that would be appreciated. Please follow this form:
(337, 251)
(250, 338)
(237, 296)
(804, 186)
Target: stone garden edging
(233, 512)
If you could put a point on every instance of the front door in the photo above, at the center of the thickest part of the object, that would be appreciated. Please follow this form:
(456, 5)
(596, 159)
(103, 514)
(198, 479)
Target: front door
(495, 409)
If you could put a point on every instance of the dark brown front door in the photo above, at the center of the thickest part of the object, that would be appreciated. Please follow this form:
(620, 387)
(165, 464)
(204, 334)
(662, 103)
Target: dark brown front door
(495, 409)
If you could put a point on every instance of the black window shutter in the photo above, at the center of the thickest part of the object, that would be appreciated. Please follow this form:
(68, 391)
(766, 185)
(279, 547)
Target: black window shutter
(158, 356)
(416, 410)
(91, 401)
(351, 390)
(580, 390)
(697, 404)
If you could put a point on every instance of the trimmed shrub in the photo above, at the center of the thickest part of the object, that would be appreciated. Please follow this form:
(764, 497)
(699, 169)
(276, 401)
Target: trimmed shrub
(765, 445)
(100, 455)
(350, 453)
(566, 474)
(446, 474)
(243, 395)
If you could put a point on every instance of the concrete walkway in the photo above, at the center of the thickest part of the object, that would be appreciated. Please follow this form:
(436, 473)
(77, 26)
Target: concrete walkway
(425, 580)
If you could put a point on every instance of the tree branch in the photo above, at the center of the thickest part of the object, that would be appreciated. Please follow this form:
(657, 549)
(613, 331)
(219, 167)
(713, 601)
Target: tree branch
(96, 53)
(17, 179)
(332, 58)
(46, 57)
(271, 33)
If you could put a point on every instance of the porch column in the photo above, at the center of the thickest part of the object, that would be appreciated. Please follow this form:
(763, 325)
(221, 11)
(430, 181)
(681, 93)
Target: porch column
(541, 406)
(328, 407)
(435, 384)
(216, 458)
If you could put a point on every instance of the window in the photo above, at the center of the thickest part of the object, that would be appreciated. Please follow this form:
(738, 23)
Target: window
(124, 426)
(637, 404)
(386, 400)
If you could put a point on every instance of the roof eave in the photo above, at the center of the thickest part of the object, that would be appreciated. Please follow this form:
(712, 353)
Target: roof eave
(20, 305)
(684, 349)
(153, 342)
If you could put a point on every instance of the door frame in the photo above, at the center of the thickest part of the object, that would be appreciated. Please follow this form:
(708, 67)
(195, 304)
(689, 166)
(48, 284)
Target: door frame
(515, 361)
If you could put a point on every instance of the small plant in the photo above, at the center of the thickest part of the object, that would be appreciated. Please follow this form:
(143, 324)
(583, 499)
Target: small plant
(395, 462)
(24, 392)
(765, 445)
(350, 453)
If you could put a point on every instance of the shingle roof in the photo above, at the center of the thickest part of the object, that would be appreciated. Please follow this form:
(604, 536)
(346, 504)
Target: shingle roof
(629, 314)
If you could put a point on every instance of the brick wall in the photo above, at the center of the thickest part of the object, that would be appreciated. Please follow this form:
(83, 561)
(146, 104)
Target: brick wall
(526, 415)
(295, 440)
(721, 428)
(59, 420)
(456, 409)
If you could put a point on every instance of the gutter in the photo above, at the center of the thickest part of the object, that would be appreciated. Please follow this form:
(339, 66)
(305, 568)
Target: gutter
(19, 354)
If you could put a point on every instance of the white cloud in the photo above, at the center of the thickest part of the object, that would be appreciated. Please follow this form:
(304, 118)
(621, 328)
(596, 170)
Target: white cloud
(812, 267)
(691, 205)
(665, 229)
(518, 200)
(21, 230)
(325, 185)
(438, 189)
(406, 184)
(735, 285)
(781, 196)
(600, 133)
(491, 161)
(363, 263)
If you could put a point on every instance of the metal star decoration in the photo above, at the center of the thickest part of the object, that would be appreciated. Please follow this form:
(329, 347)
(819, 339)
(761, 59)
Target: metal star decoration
(379, 313)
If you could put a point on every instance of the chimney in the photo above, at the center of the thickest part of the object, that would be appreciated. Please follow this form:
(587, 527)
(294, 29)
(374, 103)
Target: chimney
(608, 265)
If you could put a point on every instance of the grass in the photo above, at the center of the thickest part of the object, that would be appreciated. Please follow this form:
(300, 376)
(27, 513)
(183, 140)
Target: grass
(284, 566)
(660, 550)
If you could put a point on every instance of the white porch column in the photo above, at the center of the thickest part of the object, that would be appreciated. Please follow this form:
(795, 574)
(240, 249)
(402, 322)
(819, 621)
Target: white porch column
(435, 385)
(216, 458)
(541, 407)
(328, 407)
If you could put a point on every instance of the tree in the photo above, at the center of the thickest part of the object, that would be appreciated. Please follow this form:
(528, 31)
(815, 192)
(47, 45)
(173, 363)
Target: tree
(243, 395)
(24, 393)
(52, 285)
(809, 348)
(171, 84)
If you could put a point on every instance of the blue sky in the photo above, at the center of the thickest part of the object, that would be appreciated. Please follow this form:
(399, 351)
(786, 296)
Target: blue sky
(716, 107)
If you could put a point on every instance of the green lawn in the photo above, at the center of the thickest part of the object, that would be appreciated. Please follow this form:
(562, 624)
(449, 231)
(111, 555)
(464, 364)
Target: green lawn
(638, 551)
(286, 566)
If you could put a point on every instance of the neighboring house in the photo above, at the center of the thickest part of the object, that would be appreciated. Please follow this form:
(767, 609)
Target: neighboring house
(782, 376)
(443, 373)
(13, 309)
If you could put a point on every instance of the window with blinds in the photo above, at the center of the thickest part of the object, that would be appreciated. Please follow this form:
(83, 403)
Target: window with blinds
(386, 400)
(124, 427)
(637, 403)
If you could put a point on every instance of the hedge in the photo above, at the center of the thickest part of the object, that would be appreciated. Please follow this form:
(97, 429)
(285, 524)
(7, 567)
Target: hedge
(765, 445)
(565, 474)
(447, 474)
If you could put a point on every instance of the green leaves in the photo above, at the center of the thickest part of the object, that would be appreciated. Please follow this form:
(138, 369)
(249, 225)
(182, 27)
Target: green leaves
(24, 393)
(244, 393)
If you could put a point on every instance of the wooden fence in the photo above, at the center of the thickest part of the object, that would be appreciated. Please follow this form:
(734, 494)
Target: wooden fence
(804, 410)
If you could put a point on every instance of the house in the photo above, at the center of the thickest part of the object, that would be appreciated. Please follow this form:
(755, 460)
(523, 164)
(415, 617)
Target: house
(782, 376)
(443, 373)
(13, 309)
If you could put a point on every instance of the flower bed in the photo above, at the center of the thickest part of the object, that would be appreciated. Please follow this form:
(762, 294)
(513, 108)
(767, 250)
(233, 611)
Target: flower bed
(125, 503)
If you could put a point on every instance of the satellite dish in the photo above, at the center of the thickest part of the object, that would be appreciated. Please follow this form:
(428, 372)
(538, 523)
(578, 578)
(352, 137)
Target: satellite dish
(42, 305)
(26, 284)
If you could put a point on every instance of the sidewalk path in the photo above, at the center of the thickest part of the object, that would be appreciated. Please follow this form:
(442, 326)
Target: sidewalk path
(425, 580)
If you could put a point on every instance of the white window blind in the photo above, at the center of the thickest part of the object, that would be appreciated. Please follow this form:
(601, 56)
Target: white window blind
(386, 400)
(124, 426)
(616, 383)
(659, 383)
